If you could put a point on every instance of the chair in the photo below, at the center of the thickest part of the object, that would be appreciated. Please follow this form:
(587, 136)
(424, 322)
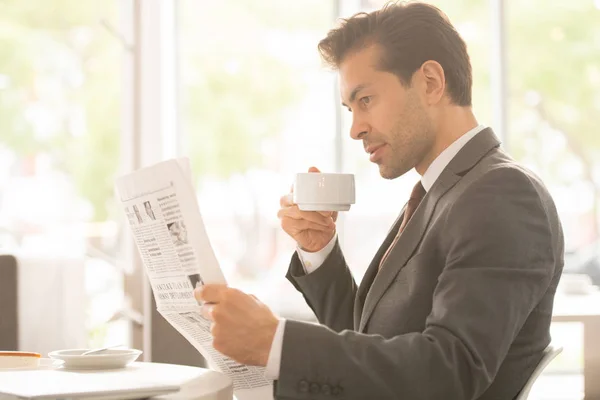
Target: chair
(549, 354)
(9, 329)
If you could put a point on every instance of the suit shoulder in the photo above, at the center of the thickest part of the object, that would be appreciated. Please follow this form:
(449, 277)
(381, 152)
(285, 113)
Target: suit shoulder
(510, 182)
(507, 175)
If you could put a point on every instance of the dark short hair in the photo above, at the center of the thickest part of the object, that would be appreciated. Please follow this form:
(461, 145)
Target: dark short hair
(409, 33)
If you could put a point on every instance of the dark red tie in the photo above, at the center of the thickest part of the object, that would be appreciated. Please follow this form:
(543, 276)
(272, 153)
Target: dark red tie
(416, 196)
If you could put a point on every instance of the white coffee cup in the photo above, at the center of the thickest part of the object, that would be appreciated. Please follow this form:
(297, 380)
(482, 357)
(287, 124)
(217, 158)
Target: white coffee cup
(316, 191)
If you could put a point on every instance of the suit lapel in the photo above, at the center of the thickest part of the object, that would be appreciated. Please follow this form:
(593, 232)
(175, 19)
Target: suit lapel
(375, 282)
(367, 280)
(404, 247)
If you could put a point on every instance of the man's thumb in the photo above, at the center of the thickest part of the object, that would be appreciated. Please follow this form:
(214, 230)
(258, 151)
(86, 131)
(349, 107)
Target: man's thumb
(313, 169)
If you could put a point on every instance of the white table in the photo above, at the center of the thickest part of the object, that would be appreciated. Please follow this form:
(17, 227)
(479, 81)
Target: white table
(196, 383)
(584, 309)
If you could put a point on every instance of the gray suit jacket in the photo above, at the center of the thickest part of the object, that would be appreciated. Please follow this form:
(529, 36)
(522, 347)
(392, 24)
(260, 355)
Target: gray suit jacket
(461, 308)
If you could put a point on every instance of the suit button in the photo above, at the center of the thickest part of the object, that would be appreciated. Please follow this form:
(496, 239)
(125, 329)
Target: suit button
(303, 386)
(337, 391)
(326, 389)
(315, 388)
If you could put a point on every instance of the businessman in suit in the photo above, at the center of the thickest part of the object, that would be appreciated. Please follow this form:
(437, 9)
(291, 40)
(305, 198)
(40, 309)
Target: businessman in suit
(457, 302)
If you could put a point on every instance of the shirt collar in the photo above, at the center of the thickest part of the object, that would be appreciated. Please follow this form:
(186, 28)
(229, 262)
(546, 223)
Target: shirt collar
(441, 161)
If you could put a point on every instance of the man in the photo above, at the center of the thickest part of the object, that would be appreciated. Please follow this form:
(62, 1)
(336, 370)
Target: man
(457, 302)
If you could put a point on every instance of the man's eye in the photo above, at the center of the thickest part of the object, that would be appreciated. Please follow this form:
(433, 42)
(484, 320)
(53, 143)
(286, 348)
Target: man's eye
(365, 100)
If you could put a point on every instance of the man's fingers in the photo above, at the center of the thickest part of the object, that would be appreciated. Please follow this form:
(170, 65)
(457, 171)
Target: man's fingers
(313, 169)
(287, 200)
(326, 214)
(286, 204)
(206, 311)
(303, 224)
(255, 298)
(307, 225)
(292, 225)
(295, 213)
(210, 293)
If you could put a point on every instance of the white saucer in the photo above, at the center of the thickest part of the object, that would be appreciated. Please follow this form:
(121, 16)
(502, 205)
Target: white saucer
(45, 363)
(108, 359)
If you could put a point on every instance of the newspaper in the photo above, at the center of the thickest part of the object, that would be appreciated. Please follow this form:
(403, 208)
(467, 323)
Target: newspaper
(163, 213)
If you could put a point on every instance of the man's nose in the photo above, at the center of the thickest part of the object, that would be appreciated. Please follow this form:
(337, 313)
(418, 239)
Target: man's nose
(359, 128)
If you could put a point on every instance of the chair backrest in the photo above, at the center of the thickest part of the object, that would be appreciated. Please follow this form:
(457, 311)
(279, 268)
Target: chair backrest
(9, 328)
(549, 354)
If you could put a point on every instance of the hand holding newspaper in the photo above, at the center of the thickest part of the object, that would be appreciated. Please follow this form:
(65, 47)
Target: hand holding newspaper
(163, 213)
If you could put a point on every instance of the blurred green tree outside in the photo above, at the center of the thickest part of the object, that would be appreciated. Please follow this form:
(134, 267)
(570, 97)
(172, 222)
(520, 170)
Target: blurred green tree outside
(60, 87)
(61, 92)
(237, 88)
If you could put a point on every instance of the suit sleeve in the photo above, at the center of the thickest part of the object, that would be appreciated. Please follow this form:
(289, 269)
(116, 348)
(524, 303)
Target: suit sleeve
(498, 238)
(329, 291)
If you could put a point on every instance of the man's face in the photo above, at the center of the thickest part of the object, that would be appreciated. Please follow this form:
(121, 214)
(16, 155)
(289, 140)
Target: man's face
(388, 117)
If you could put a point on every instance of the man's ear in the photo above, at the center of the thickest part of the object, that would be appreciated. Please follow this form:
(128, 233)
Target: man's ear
(434, 80)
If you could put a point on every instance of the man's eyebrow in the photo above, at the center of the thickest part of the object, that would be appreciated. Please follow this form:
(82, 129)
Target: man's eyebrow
(355, 92)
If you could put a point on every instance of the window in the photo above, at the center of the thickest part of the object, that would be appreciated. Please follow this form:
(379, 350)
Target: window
(256, 108)
(60, 118)
(554, 114)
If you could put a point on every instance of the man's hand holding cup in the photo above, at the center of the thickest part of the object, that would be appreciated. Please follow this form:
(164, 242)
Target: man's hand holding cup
(309, 212)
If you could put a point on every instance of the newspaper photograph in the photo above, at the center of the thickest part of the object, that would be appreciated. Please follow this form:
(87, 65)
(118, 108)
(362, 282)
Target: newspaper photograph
(162, 210)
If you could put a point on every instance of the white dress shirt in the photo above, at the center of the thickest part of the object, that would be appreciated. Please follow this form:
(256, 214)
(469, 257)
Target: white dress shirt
(312, 261)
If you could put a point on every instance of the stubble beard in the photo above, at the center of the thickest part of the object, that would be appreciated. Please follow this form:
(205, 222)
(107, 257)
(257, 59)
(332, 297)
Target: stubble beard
(409, 145)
